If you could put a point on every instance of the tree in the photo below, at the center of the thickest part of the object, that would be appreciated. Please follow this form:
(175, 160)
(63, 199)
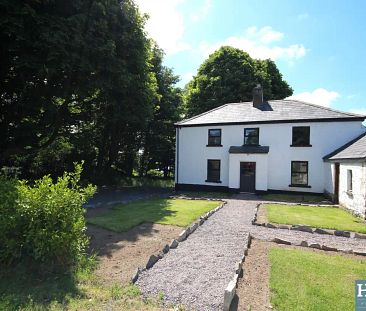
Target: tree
(159, 138)
(229, 75)
(76, 80)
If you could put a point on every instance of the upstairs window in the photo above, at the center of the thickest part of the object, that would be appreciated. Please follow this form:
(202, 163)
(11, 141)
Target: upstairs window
(349, 181)
(214, 137)
(301, 136)
(299, 173)
(213, 170)
(251, 136)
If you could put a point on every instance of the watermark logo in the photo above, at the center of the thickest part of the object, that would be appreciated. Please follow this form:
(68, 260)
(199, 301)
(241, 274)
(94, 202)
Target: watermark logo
(360, 295)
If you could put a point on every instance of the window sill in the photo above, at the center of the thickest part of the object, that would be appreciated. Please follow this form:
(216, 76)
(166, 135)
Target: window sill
(301, 146)
(214, 181)
(213, 145)
(299, 186)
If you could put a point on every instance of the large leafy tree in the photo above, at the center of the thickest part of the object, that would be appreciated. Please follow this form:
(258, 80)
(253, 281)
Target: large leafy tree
(75, 83)
(229, 75)
(159, 138)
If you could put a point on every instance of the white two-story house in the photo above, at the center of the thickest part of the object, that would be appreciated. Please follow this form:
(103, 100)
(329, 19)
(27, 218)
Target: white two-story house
(260, 146)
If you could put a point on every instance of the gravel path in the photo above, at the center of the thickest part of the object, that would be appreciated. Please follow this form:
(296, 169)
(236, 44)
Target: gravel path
(198, 271)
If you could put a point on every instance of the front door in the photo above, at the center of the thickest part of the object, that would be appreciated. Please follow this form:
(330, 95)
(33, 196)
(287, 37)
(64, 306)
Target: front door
(247, 176)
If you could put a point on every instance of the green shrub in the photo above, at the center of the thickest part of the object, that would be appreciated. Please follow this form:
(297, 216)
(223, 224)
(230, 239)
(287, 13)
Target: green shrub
(43, 223)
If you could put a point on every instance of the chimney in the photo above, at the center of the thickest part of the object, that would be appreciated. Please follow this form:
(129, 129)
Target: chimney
(257, 96)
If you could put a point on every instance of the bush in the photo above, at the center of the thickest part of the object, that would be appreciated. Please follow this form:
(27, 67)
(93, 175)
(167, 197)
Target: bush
(43, 223)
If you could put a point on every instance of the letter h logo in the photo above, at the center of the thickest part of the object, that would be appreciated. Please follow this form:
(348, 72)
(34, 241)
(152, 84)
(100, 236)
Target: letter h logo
(360, 295)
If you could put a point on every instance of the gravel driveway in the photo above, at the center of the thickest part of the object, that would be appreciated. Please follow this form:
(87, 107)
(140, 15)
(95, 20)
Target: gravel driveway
(198, 271)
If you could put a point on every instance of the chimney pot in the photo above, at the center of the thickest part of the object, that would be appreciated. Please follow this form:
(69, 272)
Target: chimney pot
(257, 96)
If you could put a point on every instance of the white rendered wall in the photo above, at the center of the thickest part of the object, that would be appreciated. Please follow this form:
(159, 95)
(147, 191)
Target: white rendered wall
(356, 200)
(325, 137)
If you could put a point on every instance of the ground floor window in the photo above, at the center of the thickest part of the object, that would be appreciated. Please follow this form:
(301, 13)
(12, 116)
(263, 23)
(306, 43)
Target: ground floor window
(299, 173)
(349, 180)
(213, 170)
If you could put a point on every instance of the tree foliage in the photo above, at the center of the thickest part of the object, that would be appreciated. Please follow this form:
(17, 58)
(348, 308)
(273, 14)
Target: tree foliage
(229, 75)
(77, 82)
(43, 223)
(159, 137)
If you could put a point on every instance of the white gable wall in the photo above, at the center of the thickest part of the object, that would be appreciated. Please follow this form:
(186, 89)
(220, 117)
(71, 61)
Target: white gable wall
(325, 137)
(356, 199)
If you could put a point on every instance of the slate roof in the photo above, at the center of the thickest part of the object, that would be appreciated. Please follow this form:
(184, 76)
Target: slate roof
(273, 111)
(249, 149)
(353, 150)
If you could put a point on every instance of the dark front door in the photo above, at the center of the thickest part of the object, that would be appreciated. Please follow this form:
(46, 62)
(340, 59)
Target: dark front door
(247, 176)
(336, 183)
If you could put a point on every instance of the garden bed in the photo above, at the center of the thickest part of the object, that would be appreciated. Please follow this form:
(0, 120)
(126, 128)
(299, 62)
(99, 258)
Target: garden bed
(284, 277)
(311, 219)
(296, 198)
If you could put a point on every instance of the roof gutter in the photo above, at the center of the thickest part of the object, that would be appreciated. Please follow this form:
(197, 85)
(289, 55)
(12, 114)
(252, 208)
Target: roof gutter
(345, 159)
(350, 119)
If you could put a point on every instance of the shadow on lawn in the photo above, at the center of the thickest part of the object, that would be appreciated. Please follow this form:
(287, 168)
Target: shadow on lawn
(21, 288)
(104, 241)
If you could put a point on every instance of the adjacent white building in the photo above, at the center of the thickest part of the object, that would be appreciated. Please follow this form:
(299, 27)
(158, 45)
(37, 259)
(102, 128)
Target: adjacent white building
(348, 165)
(262, 146)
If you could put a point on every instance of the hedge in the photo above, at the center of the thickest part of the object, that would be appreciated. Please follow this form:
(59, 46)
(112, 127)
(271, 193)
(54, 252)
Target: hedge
(43, 223)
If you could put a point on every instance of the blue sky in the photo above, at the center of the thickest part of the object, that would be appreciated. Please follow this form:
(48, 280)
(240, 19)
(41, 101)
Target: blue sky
(319, 46)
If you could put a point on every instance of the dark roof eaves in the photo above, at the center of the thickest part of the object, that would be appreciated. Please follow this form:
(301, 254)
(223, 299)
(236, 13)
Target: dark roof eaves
(341, 119)
(346, 159)
(340, 149)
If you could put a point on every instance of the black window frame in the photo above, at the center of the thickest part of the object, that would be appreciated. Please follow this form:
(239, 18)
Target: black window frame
(246, 136)
(210, 144)
(305, 144)
(209, 174)
(299, 172)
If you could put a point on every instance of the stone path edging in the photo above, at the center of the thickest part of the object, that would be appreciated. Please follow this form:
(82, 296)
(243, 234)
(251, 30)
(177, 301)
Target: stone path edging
(305, 228)
(233, 284)
(153, 259)
(314, 245)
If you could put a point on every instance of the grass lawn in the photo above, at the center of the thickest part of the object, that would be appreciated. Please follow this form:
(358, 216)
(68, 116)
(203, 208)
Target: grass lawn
(320, 217)
(294, 198)
(303, 280)
(178, 212)
(22, 290)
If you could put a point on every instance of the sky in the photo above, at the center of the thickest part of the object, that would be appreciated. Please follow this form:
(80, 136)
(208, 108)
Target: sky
(319, 46)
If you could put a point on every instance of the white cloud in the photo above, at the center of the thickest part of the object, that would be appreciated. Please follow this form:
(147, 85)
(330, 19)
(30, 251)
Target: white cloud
(259, 44)
(165, 24)
(202, 11)
(319, 96)
(265, 34)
